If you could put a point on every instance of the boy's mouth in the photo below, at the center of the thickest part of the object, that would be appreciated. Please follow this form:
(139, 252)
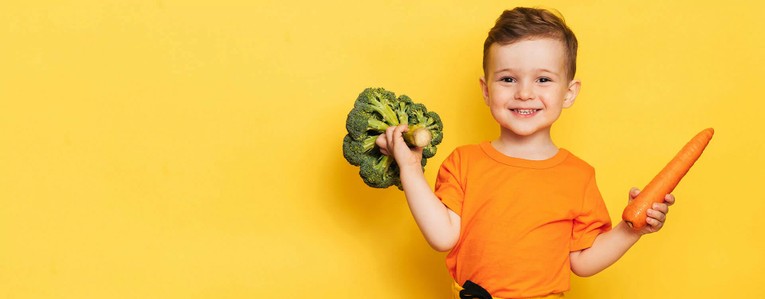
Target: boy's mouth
(525, 112)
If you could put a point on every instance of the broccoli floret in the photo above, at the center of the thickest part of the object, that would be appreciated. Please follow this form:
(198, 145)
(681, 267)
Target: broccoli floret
(428, 151)
(360, 121)
(356, 151)
(374, 111)
(435, 126)
(379, 172)
(379, 101)
(415, 112)
(402, 109)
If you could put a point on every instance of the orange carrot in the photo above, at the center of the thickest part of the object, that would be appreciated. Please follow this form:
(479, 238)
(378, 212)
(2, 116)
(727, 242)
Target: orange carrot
(666, 181)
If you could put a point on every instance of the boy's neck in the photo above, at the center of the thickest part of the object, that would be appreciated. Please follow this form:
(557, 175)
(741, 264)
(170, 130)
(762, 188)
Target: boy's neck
(538, 146)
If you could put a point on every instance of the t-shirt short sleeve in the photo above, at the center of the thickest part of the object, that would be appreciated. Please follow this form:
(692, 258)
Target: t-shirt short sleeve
(448, 185)
(592, 220)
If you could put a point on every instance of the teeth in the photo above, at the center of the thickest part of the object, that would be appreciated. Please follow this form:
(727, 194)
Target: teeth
(525, 111)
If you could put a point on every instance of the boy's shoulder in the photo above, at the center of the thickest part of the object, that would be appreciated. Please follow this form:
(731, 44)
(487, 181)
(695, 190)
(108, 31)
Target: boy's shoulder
(465, 154)
(578, 162)
(473, 147)
(468, 150)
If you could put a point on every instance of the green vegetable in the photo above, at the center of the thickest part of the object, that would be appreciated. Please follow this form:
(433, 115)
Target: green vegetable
(375, 110)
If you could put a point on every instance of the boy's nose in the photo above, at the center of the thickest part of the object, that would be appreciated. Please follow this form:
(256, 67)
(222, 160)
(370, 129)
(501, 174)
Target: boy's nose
(524, 93)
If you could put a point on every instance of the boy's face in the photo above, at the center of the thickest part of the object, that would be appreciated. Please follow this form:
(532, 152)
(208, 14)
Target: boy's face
(526, 85)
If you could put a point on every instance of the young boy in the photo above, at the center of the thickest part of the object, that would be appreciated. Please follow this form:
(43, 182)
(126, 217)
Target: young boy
(518, 213)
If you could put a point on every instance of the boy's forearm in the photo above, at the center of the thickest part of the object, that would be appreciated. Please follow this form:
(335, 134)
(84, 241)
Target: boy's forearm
(438, 224)
(606, 250)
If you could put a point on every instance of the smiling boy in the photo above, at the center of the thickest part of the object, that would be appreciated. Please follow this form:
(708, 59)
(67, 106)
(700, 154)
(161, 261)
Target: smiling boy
(518, 214)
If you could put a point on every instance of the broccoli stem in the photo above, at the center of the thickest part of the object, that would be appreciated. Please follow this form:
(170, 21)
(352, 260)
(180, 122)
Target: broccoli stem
(417, 136)
(403, 118)
(368, 144)
(377, 125)
(387, 114)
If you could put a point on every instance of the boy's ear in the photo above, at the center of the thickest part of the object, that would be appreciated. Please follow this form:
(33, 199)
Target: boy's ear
(571, 93)
(484, 89)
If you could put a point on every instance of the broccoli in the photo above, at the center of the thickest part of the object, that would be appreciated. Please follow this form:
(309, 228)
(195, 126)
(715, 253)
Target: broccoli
(379, 171)
(379, 101)
(375, 110)
(360, 121)
(354, 150)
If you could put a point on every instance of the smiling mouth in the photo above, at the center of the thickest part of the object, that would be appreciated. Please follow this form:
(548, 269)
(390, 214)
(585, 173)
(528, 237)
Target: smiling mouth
(525, 112)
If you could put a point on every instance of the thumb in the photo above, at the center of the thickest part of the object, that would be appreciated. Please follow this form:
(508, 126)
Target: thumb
(634, 191)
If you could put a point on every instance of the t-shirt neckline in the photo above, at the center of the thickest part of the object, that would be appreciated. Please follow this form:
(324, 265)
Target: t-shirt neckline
(519, 162)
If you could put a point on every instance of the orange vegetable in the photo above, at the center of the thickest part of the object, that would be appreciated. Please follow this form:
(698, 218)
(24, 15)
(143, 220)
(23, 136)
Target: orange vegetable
(666, 181)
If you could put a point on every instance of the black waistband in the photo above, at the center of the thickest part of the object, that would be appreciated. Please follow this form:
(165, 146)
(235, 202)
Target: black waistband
(471, 290)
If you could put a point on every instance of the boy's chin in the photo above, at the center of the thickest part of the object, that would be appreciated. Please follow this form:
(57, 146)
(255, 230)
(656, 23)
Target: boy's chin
(525, 131)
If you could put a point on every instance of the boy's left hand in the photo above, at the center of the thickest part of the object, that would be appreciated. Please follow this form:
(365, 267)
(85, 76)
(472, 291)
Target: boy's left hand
(657, 214)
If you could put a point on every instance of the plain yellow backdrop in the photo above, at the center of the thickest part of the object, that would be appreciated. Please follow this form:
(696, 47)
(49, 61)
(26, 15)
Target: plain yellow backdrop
(192, 149)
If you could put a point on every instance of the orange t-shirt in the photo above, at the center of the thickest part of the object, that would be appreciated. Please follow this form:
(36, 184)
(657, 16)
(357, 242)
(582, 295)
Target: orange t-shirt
(520, 219)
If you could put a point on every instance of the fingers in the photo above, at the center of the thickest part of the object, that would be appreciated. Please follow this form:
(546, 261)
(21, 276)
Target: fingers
(656, 215)
(398, 132)
(382, 144)
(654, 225)
(389, 138)
(660, 207)
(392, 140)
(669, 199)
(395, 138)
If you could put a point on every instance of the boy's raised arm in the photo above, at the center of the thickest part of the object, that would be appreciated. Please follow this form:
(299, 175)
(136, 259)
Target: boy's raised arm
(439, 224)
(612, 245)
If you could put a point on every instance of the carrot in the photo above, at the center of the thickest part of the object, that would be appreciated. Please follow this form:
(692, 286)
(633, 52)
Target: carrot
(666, 181)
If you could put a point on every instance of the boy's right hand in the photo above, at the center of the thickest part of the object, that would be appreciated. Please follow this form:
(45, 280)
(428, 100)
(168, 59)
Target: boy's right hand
(393, 142)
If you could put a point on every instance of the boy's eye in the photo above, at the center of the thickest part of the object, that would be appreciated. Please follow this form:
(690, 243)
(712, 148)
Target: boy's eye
(544, 79)
(507, 79)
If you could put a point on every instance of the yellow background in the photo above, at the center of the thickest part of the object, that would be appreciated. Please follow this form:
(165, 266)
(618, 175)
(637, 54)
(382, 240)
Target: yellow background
(191, 149)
